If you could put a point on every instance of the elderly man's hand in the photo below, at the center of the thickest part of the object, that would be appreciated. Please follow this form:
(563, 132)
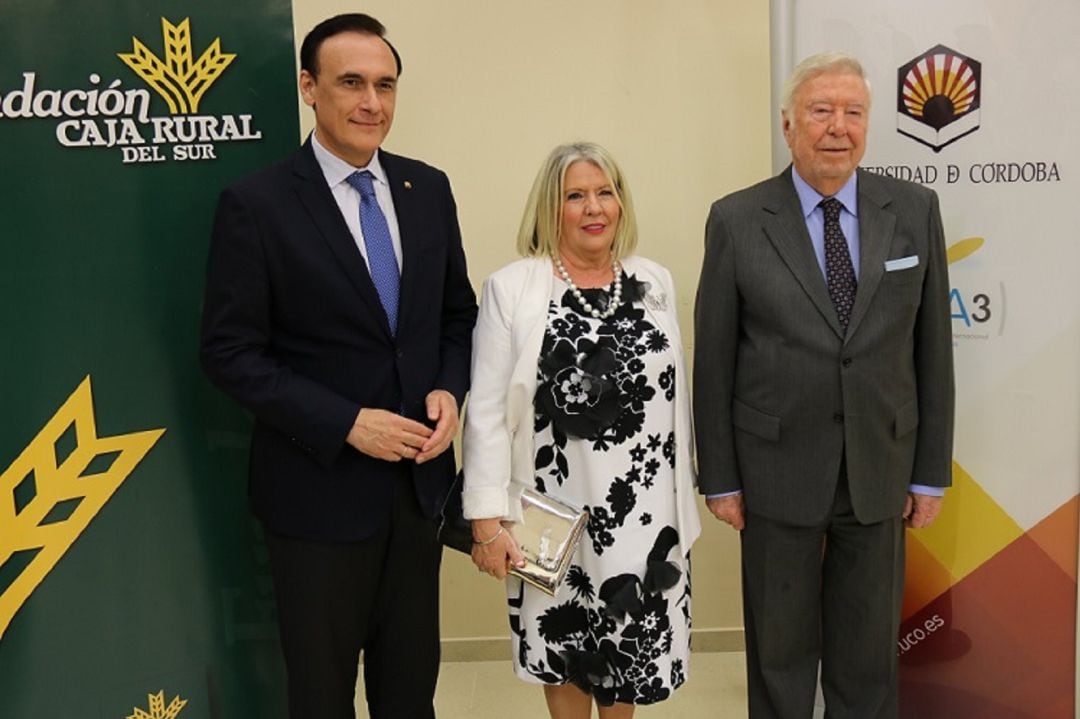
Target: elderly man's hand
(728, 509)
(920, 510)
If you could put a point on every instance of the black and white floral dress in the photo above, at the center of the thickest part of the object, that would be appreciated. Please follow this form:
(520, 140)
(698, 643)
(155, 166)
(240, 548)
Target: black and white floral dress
(619, 626)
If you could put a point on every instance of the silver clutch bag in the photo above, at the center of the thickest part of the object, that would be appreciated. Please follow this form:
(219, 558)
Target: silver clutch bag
(548, 535)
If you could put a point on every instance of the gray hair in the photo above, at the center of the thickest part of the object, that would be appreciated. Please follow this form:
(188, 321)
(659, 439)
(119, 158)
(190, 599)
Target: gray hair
(541, 222)
(820, 64)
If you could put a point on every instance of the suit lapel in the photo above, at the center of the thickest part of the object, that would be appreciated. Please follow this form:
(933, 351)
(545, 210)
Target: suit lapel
(323, 210)
(876, 225)
(410, 230)
(785, 227)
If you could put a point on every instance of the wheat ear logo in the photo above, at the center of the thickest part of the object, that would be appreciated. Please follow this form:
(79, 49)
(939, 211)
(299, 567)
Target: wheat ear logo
(49, 495)
(158, 710)
(177, 78)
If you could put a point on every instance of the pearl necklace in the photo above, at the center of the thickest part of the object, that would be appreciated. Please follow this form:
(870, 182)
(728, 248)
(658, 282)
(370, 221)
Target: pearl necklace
(616, 292)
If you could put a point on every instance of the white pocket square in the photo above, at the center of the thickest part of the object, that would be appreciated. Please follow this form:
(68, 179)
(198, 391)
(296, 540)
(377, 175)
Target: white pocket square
(901, 263)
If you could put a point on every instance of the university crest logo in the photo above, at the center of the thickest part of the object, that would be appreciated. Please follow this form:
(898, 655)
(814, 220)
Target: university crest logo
(938, 97)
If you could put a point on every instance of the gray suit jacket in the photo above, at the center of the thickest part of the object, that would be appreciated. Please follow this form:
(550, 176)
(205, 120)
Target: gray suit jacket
(782, 395)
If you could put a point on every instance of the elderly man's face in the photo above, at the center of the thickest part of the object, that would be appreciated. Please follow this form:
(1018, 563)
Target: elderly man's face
(825, 127)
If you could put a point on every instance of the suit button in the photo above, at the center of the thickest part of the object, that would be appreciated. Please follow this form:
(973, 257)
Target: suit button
(400, 354)
(846, 362)
(838, 417)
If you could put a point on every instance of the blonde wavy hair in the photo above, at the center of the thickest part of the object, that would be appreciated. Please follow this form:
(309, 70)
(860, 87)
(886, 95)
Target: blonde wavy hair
(541, 223)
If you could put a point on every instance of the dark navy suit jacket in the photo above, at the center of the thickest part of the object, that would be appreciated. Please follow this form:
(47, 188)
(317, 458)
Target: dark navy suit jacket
(294, 331)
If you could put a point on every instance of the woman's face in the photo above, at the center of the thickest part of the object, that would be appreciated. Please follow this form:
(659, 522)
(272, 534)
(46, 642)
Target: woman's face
(590, 213)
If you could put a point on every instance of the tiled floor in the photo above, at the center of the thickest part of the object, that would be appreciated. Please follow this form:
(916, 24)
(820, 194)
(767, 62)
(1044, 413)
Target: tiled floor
(716, 689)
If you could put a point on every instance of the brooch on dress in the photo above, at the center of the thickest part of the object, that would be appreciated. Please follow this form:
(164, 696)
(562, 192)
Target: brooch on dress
(642, 289)
(657, 301)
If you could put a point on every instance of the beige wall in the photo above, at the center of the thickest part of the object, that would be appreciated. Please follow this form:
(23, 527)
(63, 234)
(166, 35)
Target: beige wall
(677, 90)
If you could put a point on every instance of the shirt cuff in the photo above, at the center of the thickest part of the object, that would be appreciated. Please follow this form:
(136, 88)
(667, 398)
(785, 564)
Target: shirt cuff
(926, 490)
(723, 494)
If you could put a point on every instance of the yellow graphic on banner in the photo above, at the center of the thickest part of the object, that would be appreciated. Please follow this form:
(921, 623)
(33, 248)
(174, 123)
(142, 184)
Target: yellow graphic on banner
(46, 501)
(972, 514)
(178, 78)
(158, 710)
(962, 248)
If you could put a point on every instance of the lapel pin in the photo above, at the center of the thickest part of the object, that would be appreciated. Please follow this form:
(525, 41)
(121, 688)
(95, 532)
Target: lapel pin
(408, 185)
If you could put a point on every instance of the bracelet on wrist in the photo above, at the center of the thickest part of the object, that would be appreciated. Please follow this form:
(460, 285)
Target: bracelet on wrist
(488, 541)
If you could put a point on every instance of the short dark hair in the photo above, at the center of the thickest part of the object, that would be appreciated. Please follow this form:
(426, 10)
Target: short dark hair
(348, 22)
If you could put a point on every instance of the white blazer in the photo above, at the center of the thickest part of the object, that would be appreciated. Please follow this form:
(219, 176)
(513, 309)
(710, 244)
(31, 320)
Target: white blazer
(498, 440)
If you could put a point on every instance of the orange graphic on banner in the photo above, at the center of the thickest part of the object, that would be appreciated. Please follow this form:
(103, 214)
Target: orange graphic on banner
(989, 612)
(1056, 535)
(47, 500)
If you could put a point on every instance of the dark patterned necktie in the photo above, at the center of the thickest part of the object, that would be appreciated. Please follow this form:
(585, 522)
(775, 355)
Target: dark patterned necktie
(839, 272)
(382, 263)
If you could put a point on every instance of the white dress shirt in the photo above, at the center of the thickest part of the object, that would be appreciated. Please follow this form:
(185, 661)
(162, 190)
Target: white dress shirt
(336, 171)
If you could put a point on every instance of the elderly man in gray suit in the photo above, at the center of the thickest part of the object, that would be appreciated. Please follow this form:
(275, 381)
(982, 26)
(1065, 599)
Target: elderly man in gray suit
(823, 387)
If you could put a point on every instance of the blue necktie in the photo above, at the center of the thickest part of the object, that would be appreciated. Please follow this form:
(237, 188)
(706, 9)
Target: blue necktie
(380, 248)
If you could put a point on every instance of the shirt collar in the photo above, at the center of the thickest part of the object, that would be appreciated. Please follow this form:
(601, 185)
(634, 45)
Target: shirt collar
(810, 198)
(336, 170)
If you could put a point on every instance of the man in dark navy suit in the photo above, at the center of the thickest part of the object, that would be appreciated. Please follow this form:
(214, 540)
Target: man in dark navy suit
(339, 312)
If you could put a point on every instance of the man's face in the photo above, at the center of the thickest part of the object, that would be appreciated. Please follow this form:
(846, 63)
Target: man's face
(353, 95)
(825, 127)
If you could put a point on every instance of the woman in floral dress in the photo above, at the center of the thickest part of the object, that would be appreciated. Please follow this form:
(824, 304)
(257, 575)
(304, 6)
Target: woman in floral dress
(579, 391)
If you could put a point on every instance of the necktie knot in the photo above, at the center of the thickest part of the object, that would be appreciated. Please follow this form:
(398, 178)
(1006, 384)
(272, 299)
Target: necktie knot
(832, 207)
(362, 182)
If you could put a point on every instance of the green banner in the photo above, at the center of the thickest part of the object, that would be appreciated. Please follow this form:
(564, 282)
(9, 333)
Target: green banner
(133, 582)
